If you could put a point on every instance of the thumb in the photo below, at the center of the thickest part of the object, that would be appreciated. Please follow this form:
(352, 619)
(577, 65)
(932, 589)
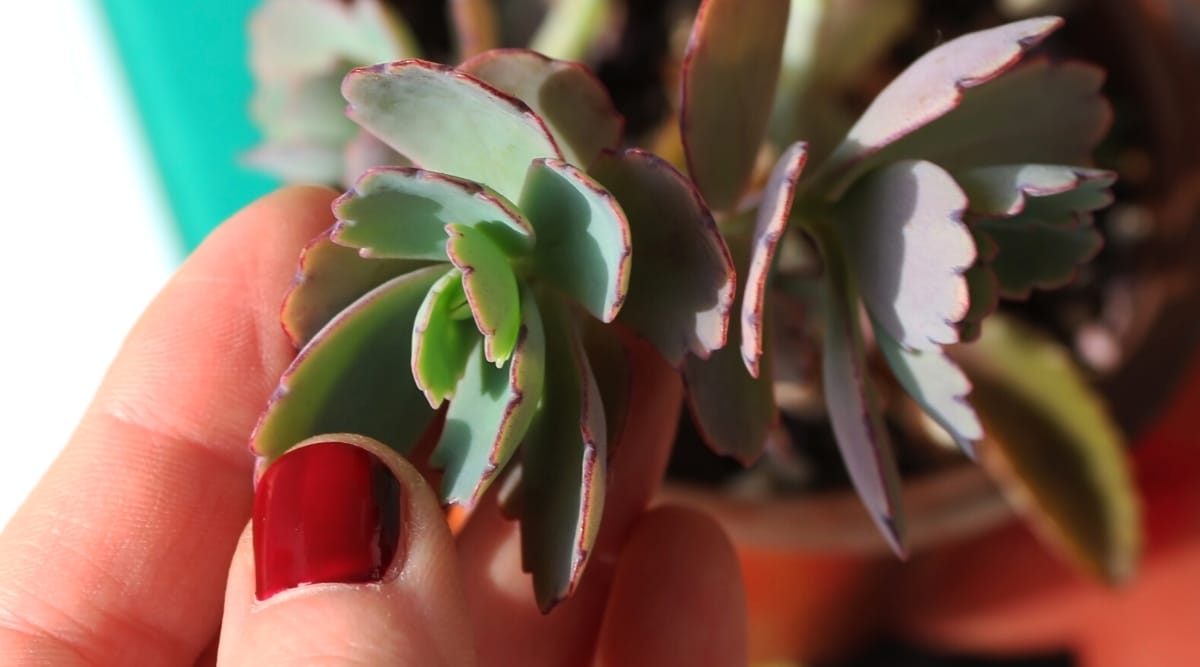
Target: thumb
(348, 560)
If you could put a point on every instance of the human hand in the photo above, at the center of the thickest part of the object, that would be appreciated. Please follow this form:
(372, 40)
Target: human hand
(135, 549)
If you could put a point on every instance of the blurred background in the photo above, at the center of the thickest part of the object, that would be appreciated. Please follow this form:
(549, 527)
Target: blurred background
(120, 139)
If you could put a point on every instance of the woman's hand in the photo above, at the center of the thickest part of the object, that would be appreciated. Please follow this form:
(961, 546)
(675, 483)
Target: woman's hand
(136, 548)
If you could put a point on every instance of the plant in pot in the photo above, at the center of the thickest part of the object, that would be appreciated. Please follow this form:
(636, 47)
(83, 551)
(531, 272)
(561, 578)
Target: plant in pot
(1149, 276)
(868, 228)
(500, 278)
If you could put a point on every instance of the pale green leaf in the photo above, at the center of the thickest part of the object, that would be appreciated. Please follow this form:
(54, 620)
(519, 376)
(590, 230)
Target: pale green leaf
(355, 376)
(564, 466)
(330, 278)
(682, 283)
(583, 239)
(491, 412)
(1035, 254)
(403, 212)
(574, 104)
(448, 121)
(491, 289)
(442, 338)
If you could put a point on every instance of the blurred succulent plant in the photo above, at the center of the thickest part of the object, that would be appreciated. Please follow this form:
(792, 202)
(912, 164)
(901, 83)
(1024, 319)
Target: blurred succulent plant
(482, 277)
(301, 50)
(486, 276)
(963, 181)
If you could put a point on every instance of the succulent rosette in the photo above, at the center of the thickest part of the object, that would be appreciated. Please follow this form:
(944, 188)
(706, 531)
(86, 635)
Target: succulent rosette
(964, 181)
(471, 292)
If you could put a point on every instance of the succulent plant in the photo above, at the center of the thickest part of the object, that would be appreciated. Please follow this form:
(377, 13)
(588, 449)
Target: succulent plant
(483, 279)
(498, 238)
(965, 180)
(301, 50)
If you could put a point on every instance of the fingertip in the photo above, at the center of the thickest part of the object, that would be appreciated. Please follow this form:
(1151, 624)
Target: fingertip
(350, 559)
(678, 574)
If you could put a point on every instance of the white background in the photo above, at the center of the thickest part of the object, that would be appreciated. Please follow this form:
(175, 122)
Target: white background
(86, 232)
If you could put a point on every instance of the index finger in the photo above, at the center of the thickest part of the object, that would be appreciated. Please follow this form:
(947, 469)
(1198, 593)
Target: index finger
(120, 554)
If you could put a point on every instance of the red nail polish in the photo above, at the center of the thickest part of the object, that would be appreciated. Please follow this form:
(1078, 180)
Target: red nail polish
(326, 512)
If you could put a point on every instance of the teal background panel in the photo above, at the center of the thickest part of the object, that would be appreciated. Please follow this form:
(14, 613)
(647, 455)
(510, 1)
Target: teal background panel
(186, 63)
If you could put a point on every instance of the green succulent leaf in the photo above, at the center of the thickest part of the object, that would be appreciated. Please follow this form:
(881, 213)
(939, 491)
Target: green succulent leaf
(908, 248)
(1054, 448)
(729, 77)
(564, 465)
(934, 85)
(1050, 192)
(354, 376)
(570, 99)
(733, 411)
(442, 338)
(937, 385)
(769, 226)
(984, 294)
(1037, 113)
(331, 277)
(449, 121)
(491, 412)
(491, 289)
(583, 240)
(858, 426)
(608, 358)
(1033, 253)
(294, 39)
(403, 212)
(682, 280)
(1074, 207)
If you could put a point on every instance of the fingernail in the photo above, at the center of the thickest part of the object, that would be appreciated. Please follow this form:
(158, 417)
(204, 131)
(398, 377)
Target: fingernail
(323, 513)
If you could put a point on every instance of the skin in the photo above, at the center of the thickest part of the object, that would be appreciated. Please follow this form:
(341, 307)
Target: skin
(135, 548)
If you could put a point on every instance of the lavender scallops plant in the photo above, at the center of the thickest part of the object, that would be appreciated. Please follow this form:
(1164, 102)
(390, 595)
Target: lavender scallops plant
(497, 236)
(965, 180)
(468, 299)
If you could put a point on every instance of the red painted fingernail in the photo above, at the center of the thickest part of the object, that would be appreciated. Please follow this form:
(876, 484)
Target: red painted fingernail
(327, 512)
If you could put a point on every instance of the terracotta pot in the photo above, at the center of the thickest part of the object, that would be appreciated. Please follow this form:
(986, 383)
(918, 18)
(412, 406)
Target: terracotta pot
(815, 566)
